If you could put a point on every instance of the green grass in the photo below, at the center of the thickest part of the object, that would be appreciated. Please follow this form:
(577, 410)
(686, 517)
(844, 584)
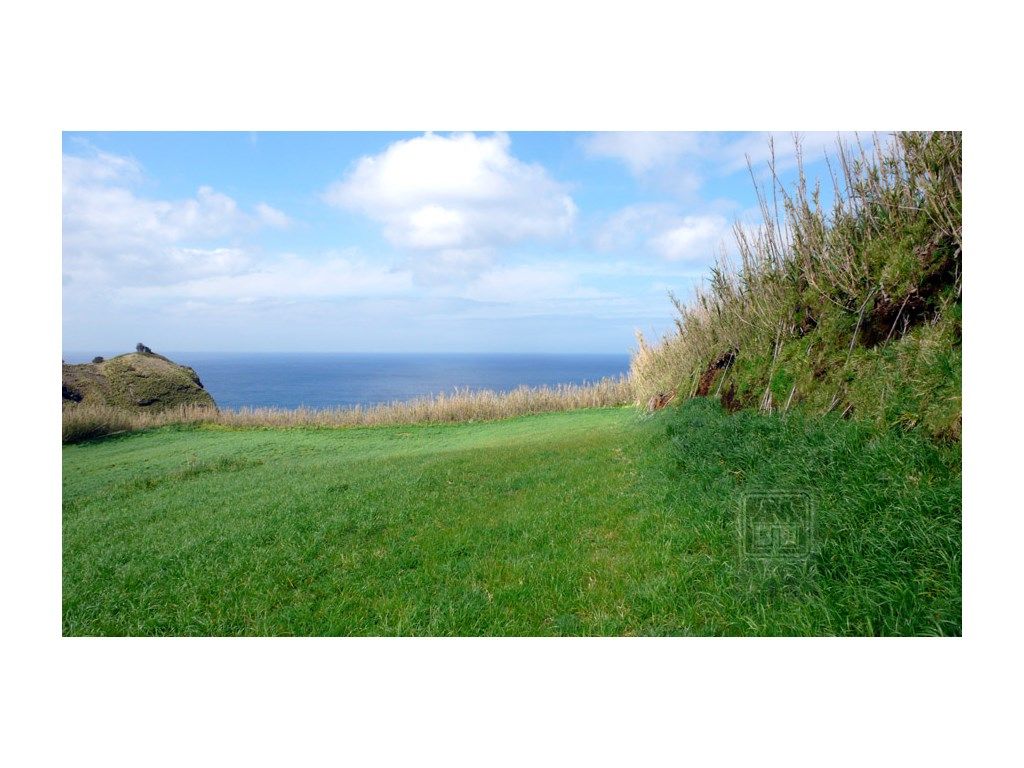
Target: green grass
(594, 522)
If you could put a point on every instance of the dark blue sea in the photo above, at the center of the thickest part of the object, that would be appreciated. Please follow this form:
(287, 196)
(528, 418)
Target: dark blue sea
(329, 380)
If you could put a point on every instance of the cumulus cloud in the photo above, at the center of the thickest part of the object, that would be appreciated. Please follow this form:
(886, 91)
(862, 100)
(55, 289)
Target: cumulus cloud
(692, 229)
(693, 238)
(456, 192)
(272, 217)
(111, 230)
(644, 151)
(625, 228)
(100, 168)
(681, 162)
(661, 229)
(664, 160)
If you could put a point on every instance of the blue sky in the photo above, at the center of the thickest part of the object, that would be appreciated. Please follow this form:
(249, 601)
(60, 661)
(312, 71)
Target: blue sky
(396, 242)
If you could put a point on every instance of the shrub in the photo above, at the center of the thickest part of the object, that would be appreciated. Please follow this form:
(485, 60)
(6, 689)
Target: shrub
(97, 359)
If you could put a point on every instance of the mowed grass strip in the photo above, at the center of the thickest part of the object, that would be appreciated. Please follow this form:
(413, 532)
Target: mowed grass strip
(594, 522)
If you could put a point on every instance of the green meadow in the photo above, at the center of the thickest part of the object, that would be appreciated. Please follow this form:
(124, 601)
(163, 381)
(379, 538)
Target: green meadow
(601, 521)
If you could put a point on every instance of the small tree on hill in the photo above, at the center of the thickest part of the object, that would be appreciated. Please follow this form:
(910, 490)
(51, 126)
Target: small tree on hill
(142, 349)
(97, 359)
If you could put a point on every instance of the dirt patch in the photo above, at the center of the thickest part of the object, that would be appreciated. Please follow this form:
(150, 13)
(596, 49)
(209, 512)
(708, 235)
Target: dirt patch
(71, 394)
(730, 401)
(707, 378)
(891, 317)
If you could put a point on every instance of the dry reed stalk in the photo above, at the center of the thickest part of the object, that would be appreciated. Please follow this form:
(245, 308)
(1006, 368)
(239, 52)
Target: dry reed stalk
(803, 245)
(81, 422)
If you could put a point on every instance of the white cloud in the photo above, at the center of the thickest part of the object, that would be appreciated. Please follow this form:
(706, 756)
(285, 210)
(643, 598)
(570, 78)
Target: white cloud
(626, 227)
(529, 283)
(452, 265)
(681, 161)
(644, 151)
(455, 192)
(732, 155)
(272, 217)
(289, 277)
(101, 168)
(667, 161)
(659, 228)
(110, 231)
(206, 261)
(534, 287)
(694, 238)
(677, 161)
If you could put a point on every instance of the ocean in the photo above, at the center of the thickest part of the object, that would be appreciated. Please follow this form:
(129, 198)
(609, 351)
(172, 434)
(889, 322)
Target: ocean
(328, 380)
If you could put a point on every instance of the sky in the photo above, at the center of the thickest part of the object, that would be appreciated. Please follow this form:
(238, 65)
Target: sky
(398, 242)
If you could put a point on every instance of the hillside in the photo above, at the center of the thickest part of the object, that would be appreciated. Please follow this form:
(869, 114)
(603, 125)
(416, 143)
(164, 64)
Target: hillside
(852, 306)
(592, 522)
(137, 382)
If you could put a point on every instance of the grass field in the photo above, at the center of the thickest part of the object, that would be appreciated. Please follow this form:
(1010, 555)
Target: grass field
(593, 522)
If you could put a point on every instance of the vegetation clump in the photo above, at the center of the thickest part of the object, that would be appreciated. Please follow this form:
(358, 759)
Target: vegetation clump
(851, 306)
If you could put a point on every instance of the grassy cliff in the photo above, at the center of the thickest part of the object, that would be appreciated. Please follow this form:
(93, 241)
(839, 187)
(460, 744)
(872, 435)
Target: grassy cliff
(852, 306)
(137, 381)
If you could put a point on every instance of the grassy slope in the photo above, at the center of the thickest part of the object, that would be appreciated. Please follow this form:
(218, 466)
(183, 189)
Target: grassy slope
(590, 522)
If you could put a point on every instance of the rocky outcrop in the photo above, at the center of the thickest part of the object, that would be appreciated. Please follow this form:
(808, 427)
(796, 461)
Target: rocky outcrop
(137, 381)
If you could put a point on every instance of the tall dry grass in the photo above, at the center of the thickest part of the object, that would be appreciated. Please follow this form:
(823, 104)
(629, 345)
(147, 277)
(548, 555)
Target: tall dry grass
(810, 268)
(83, 422)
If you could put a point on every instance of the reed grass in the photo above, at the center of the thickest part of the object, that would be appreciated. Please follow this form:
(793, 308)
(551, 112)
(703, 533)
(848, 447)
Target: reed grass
(850, 306)
(86, 421)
